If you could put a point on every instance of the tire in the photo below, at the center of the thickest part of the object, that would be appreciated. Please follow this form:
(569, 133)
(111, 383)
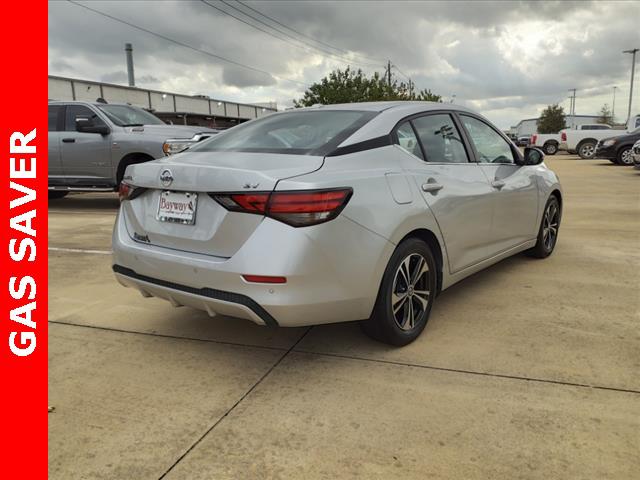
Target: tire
(55, 194)
(549, 229)
(412, 299)
(587, 150)
(550, 148)
(624, 157)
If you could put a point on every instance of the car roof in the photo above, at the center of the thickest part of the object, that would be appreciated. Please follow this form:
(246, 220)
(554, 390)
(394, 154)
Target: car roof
(79, 102)
(385, 106)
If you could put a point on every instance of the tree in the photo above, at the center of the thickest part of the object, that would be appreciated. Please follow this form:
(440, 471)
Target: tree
(605, 115)
(348, 86)
(551, 119)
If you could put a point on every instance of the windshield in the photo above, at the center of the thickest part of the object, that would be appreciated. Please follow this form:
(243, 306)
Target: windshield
(128, 116)
(316, 132)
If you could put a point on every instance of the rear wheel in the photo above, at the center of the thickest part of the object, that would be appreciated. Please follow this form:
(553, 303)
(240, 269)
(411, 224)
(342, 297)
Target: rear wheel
(54, 194)
(587, 150)
(624, 156)
(406, 295)
(550, 148)
(549, 228)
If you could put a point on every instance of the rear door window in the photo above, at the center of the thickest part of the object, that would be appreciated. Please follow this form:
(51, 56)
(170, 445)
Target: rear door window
(54, 112)
(440, 139)
(407, 139)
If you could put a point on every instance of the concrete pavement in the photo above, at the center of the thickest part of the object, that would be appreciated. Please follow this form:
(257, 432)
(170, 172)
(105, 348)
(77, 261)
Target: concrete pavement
(526, 370)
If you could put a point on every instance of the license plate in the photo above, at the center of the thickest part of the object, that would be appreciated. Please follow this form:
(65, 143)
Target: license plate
(177, 207)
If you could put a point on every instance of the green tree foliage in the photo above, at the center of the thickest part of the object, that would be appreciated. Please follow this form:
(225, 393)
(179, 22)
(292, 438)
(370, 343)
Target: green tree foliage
(605, 116)
(552, 119)
(348, 86)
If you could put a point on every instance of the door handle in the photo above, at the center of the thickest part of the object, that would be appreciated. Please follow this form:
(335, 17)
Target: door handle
(69, 140)
(498, 184)
(431, 187)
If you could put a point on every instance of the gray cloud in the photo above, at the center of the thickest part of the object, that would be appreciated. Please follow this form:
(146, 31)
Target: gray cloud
(241, 77)
(507, 59)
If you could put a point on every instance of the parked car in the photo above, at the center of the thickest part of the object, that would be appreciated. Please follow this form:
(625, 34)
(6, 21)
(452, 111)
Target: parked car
(330, 214)
(635, 154)
(91, 144)
(618, 149)
(523, 141)
(547, 142)
(584, 140)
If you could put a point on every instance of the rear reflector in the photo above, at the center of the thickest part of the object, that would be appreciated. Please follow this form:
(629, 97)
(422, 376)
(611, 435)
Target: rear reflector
(264, 279)
(296, 208)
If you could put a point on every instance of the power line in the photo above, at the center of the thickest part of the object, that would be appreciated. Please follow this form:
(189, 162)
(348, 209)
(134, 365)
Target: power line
(304, 45)
(300, 33)
(345, 59)
(182, 44)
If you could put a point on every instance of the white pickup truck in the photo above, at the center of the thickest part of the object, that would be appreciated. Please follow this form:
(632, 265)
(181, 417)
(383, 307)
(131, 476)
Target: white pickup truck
(583, 139)
(548, 142)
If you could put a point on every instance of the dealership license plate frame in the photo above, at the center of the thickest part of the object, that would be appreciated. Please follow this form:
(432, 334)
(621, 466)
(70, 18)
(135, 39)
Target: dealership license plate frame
(163, 215)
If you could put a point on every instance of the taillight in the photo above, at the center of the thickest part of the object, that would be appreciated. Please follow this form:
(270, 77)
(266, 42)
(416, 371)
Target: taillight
(296, 208)
(533, 139)
(563, 136)
(127, 191)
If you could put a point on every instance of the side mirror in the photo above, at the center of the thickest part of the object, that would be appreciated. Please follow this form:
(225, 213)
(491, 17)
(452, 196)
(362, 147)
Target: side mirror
(533, 156)
(85, 125)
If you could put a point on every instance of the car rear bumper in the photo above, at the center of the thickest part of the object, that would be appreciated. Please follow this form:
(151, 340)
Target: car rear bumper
(333, 273)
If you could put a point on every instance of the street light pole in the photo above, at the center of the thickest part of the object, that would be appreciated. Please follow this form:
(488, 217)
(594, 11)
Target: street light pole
(633, 71)
(613, 108)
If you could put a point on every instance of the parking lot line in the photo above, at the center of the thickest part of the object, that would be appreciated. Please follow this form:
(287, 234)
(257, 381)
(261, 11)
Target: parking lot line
(80, 250)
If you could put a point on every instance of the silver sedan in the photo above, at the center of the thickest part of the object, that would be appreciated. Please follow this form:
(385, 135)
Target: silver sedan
(334, 213)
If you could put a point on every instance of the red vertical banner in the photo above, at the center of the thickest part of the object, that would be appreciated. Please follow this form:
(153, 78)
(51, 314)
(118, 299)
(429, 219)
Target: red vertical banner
(23, 268)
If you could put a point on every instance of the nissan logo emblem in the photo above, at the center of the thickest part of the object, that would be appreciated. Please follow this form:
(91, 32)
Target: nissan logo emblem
(166, 177)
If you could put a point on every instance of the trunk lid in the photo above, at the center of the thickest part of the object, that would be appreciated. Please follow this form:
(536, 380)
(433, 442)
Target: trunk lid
(216, 231)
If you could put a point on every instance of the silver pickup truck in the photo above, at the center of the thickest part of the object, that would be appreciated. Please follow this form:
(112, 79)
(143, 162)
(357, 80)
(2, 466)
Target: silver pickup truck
(91, 144)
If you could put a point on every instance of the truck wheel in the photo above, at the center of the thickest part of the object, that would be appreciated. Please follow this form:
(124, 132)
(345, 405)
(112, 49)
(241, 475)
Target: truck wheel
(624, 156)
(54, 194)
(550, 148)
(587, 149)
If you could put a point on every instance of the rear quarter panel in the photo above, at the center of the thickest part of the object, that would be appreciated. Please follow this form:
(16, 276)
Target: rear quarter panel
(372, 205)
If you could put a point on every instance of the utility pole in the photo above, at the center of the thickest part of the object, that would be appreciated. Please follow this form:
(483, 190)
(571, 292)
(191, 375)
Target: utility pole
(613, 108)
(633, 71)
(389, 73)
(572, 109)
(129, 51)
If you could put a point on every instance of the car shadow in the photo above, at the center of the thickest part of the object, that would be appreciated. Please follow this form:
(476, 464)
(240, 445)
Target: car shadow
(98, 202)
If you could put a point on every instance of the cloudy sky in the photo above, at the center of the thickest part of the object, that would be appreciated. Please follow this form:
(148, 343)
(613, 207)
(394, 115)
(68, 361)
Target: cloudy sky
(505, 59)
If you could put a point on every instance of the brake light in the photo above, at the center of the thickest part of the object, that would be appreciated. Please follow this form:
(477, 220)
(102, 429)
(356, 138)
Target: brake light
(563, 136)
(127, 191)
(296, 208)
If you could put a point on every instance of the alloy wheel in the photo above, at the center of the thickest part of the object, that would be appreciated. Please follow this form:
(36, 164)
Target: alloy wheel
(588, 150)
(625, 157)
(410, 293)
(550, 226)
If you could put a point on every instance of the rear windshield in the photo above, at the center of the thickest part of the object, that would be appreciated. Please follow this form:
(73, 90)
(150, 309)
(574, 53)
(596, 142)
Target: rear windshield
(315, 132)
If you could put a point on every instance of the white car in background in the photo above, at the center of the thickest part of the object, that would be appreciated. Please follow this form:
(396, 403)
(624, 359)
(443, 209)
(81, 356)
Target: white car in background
(583, 140)
(547, 142)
